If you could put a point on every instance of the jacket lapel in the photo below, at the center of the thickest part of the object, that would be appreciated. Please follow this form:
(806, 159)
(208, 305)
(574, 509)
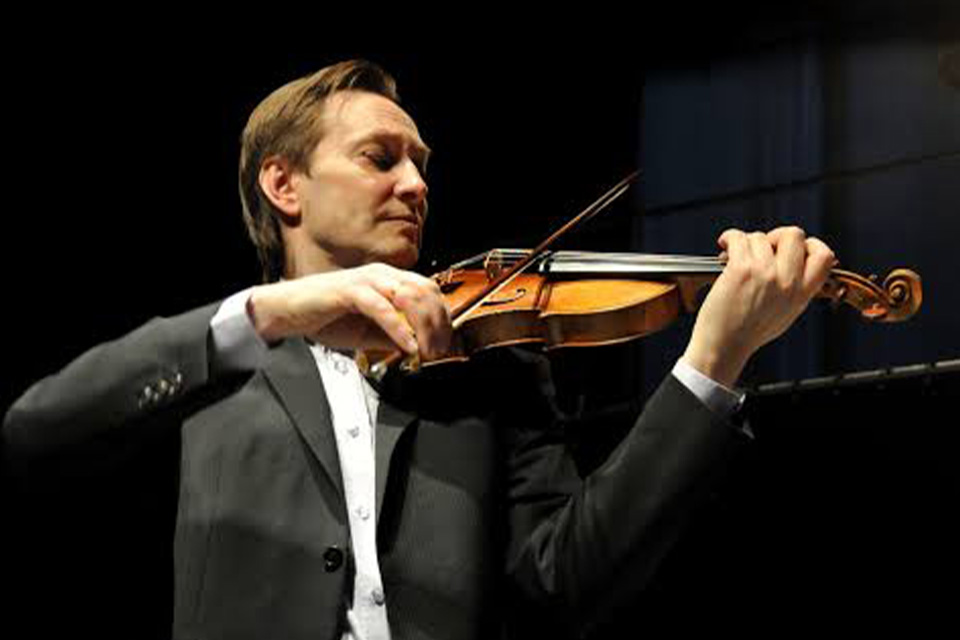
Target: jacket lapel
(292, 372)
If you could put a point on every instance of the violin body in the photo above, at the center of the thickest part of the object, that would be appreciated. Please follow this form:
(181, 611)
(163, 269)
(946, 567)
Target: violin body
(550, 313)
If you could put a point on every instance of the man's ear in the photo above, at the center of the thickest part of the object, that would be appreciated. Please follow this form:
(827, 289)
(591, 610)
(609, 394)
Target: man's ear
(278, 182)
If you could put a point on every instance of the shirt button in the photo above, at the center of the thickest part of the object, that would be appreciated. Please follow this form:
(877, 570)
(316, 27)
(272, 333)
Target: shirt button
(363, 512)
(377, 595)
(340, 366)
(354, 431)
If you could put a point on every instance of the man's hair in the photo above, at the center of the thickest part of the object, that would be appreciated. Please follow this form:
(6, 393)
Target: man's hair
(288, 124)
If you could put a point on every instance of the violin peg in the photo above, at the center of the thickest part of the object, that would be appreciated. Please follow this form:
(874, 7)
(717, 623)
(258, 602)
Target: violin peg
(838, 297)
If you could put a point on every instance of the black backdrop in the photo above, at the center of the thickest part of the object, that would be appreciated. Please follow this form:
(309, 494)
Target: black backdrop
(122, 148)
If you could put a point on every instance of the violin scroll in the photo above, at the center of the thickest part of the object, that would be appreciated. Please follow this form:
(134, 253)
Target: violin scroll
(897, 298)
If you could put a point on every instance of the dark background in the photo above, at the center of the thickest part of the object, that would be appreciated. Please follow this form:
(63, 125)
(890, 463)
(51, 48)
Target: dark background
(122, 204)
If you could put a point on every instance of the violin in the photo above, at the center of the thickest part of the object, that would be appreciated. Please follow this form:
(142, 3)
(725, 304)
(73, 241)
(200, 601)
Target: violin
(559, 299)
(586, 299)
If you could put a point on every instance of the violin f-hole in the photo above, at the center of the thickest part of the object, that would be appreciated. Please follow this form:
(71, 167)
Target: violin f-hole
(517, 294)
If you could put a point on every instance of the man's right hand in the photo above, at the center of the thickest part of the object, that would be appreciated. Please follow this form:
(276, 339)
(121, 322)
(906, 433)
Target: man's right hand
(375, 306)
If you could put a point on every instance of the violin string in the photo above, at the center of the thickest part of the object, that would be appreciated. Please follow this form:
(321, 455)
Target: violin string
(589, 262)
(603, 256)
(634, 258)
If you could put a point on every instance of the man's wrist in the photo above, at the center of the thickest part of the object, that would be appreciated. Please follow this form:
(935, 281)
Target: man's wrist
(264, 312)
(723, 369)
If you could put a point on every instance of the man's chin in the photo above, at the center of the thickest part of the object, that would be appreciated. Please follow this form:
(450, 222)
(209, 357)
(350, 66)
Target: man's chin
(403, 258)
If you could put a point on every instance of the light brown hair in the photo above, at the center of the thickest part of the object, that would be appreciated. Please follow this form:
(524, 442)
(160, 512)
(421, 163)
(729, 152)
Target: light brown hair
(288, 124)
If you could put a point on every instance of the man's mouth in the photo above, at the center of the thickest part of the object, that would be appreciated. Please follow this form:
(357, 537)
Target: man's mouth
(409, 225)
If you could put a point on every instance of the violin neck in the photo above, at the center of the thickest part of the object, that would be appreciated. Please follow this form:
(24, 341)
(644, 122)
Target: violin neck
(629, 264)
(610, 265)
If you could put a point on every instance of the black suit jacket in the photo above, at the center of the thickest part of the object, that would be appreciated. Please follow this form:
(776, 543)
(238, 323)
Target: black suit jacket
(481, 512)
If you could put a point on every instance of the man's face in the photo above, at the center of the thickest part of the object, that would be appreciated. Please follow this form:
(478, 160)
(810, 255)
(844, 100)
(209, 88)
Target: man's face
(365, 197)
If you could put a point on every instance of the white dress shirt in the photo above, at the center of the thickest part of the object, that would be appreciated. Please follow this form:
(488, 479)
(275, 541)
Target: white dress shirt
(353, 409)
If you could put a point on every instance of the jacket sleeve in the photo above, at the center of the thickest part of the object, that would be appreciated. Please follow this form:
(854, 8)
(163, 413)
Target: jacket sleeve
(579, 548)
(116, 385)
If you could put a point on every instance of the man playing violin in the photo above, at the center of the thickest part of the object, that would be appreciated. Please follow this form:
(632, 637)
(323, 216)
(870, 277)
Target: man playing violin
(316, 504)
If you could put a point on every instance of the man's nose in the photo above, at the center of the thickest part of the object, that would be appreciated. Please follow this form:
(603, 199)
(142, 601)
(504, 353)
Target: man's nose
(411, 186)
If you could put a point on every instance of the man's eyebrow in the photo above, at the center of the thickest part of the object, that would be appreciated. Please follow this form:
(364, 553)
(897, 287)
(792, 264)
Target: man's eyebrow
(418, 148)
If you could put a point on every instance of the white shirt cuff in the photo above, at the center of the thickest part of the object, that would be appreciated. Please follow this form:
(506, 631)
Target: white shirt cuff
(237, 345)
(721, 400)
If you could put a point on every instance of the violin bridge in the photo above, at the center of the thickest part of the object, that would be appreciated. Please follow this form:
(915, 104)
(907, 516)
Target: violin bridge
(493, 264)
